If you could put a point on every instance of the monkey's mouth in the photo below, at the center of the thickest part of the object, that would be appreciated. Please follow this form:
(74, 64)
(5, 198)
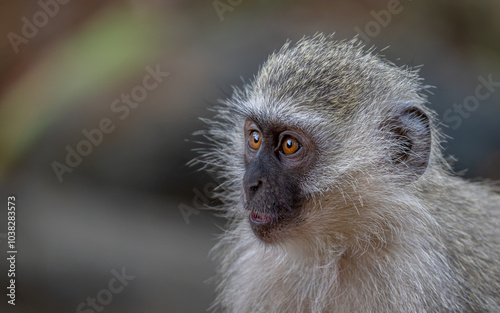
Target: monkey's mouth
(267, 226)
(261, 218)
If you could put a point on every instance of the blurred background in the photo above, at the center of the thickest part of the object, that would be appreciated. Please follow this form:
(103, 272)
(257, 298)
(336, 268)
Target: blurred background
(98, 101)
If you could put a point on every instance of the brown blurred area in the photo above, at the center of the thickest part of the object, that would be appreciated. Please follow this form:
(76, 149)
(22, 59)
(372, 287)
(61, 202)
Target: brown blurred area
(121, 205)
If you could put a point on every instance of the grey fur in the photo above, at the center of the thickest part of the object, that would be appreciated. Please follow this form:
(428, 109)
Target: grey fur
(373, 239)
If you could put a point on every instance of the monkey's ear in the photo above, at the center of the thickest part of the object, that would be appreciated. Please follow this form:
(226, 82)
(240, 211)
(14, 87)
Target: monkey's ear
(410, 139)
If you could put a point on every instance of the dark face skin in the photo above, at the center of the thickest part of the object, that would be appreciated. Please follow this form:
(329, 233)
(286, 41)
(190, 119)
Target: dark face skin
(276, 161)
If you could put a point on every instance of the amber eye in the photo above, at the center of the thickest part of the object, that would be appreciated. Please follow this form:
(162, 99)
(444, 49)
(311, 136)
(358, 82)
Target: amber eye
(254, 140)
(290, 145)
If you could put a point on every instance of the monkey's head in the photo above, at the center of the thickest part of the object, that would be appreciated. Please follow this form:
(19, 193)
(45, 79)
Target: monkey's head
(322, 146)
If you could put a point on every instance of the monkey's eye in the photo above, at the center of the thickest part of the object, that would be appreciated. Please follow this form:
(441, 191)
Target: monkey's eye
(254, 140)
(290, 145)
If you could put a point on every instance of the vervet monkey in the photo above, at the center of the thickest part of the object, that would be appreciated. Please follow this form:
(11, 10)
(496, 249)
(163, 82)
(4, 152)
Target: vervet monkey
(338, 195)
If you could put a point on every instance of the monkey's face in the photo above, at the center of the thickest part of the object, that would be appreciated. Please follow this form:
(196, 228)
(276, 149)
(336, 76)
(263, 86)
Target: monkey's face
(276, 159)
(300, 181)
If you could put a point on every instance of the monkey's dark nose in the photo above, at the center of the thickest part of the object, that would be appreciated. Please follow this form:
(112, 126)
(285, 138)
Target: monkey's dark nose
(254, 186)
